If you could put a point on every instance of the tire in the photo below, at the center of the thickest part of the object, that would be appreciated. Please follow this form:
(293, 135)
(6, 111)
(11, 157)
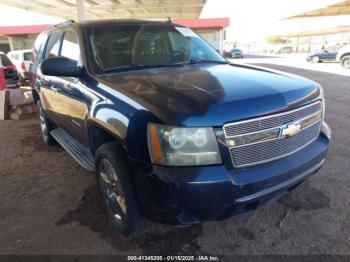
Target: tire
(117, 191)
(45, 126)
(345, 62)
(315, 59)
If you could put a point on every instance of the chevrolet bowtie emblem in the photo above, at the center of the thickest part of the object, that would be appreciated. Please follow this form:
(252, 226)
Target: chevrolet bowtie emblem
(291, 129)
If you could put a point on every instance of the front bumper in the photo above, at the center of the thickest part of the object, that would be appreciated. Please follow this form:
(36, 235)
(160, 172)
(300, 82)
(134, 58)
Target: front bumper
(190, 195)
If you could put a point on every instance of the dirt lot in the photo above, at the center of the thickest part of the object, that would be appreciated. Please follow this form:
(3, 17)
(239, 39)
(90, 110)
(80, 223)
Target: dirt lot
(49, 205)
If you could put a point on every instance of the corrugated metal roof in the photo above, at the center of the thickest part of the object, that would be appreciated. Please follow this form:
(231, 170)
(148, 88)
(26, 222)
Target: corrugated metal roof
(192, 23)
(104, 9)
(341, 8)
(328, 31)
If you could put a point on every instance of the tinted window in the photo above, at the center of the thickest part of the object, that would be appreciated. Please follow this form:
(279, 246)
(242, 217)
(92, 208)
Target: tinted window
(70, 46)
(120, 46)
(53, 46)
(5, 61)
(27, 56)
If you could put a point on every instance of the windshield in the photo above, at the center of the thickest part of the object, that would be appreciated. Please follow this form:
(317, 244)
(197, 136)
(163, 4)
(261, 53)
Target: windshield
(128, 46)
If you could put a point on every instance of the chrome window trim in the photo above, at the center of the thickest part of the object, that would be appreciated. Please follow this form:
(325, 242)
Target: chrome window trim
(267, 117)
(278, 157)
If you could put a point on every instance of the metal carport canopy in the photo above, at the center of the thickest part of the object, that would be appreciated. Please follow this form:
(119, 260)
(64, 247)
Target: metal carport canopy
(104, 9)
(341, 8)
(320, 32)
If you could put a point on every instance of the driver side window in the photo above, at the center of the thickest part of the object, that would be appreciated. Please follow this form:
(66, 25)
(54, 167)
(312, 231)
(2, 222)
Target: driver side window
(70, 46)
(53, 46)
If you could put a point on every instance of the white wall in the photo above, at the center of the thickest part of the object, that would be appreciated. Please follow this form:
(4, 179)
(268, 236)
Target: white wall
(17, 43)
(213, 37)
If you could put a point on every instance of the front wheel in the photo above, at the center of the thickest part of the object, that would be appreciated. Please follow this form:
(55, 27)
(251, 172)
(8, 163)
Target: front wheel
(117, 191)
(345, 62)
(316, 59)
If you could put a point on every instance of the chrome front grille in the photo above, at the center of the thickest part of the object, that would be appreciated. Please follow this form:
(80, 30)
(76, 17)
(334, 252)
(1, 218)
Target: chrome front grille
(249, 126)
(264, 139)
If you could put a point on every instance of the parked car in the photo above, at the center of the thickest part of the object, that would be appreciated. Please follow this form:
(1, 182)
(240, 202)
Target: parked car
(173, 132)
(285, 50)
(343, 56)
(234, 53)
(22, 60)
(10, 71)
(322, 56)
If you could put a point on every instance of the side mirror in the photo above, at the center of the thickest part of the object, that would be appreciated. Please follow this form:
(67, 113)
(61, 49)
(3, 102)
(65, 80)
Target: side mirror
(60, 66)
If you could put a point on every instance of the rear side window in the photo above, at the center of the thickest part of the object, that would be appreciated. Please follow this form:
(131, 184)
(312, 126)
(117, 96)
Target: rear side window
(70, 46)
(5, 61)
(53, 46)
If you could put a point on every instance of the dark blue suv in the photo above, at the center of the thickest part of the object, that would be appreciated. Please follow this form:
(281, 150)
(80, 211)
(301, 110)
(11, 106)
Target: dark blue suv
(174, 133)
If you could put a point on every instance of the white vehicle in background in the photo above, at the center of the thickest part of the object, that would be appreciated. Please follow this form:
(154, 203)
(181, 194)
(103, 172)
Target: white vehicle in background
(22, 60)
(343, 56)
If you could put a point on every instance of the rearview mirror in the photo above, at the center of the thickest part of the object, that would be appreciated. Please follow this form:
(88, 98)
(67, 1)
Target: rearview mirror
(60, 66)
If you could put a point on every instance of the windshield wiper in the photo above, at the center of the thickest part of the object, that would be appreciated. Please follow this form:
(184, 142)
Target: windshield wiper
(203, 61)
(138, 67)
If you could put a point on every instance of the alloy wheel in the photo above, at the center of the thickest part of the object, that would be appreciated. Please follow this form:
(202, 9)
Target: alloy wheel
(112, 191)
(347, 63)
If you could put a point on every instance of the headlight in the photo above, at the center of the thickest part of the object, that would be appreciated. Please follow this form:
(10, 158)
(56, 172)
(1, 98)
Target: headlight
(174, 146)
(323, 102)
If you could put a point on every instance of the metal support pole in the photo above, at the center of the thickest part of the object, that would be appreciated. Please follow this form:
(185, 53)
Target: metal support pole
(298, 40)
(309, 47)
(12, 46)
(81, 12)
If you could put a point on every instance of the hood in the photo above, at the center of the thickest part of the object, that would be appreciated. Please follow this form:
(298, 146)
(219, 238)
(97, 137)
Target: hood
(212, 95)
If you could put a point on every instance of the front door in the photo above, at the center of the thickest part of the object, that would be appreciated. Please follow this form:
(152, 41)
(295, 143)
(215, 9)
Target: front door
(70, 100)
(49, 85)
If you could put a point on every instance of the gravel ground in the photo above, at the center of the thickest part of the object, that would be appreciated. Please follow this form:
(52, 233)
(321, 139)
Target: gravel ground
(49, 205)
